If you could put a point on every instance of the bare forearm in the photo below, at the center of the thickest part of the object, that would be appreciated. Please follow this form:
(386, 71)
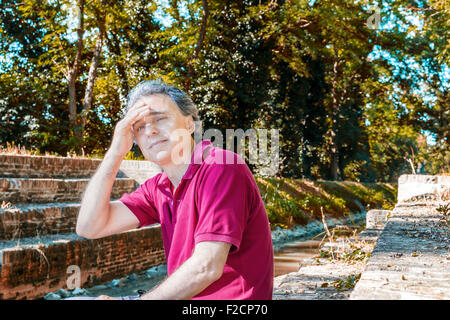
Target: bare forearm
(95, 203)
(186, 282)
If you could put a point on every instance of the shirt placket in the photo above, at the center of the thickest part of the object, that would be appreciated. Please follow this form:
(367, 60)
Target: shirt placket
(174, 201)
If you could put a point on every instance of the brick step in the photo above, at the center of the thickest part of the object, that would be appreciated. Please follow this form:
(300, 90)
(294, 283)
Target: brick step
(38, 219)
(36, 190)
(46, 167)
(34, 266)
(24, 166)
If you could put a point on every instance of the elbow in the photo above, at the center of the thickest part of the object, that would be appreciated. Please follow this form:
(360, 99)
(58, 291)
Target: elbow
(80, 231)
(216, 274)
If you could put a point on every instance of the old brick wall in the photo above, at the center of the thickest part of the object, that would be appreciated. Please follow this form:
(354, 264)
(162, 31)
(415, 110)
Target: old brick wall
(30, 271)
(37, 229)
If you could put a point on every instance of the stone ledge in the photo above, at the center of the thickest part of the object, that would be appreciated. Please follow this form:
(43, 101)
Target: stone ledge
(410, 259)
(431, 187)
(376, 219)
(38, 219)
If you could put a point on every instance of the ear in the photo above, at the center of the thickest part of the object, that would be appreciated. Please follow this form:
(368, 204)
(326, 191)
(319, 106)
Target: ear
(190, 124)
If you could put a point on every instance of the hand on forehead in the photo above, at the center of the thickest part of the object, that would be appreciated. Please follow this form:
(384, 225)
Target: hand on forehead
(156, 103)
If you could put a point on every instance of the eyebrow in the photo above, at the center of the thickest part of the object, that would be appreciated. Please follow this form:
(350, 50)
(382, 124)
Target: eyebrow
(156, 112)
(153, 113)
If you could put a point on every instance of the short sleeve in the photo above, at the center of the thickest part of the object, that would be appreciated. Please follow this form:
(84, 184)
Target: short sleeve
(141, 203)
(222, 200)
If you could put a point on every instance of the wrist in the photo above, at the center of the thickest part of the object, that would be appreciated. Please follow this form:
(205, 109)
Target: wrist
(115, 155)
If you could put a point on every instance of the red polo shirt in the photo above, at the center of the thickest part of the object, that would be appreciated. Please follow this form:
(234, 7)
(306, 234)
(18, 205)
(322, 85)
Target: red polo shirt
(215, 201)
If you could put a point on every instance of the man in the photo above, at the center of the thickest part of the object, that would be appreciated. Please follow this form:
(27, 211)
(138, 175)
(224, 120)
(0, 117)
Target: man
(214, 225)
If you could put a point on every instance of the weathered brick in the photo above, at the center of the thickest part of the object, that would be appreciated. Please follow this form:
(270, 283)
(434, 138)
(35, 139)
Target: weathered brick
(46, 264)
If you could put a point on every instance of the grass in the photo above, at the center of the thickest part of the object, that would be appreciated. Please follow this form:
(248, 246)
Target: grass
(347, 283)
(444, 210)
(296, 201)
(12, 149)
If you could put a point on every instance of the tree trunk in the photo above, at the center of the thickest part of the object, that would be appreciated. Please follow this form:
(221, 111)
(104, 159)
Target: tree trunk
(113, 45)
(334, 150)
(89, 92)
(73, 75)
(334, 161)
(341, 165)
(198, 47)
(72, 99)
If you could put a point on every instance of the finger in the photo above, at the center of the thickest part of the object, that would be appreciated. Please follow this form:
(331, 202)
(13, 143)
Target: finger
(138, 105)
(136, 115)
(142, 114)
(137, 110)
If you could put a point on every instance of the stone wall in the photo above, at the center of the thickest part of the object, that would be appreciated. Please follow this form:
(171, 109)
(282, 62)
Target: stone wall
(411, 258)
(408, 247)
(38, 242)
(413, 187)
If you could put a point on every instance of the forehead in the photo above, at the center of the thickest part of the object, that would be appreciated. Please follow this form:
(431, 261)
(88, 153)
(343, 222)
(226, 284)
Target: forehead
(158, 103)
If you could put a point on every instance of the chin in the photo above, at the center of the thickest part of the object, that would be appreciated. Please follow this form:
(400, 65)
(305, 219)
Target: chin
(160, 158)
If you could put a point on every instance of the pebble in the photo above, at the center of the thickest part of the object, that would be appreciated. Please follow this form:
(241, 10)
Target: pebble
(78, 292)
(150, 273)
(113, 283)
(52, 296)
(63, 293)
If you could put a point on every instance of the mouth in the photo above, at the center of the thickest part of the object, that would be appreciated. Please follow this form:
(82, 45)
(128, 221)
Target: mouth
(157, 143)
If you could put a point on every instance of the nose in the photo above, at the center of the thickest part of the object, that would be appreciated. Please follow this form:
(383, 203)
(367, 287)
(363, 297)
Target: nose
(150, 130)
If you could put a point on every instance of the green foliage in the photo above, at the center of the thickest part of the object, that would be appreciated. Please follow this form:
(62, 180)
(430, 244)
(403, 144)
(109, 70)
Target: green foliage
(292, 201)
(350, 102)
(347, 283)
(444, 210)
(367, 195)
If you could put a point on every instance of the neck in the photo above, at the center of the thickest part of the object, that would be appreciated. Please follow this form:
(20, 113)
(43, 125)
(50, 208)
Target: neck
(175, 172)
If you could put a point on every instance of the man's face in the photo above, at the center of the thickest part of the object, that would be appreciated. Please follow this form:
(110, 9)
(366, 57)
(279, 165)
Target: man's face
(161, 134)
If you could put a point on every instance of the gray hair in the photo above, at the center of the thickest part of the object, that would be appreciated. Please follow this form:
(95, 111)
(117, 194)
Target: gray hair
(151, 87)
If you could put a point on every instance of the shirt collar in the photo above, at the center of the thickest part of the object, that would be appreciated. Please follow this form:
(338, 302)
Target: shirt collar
(196, 161)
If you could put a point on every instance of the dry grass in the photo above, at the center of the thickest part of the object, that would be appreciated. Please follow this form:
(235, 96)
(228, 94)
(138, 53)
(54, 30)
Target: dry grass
(347, 247)
(12, 149)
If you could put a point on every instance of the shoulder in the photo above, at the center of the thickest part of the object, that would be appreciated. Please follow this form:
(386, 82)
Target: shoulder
(225, 165)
